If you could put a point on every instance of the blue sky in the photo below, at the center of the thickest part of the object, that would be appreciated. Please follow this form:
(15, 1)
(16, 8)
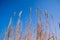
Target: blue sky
(8, 7)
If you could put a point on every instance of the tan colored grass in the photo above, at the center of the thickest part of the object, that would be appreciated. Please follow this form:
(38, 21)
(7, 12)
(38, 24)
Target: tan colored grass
(40, 35)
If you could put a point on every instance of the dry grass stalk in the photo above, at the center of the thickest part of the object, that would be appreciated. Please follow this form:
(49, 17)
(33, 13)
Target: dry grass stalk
(29, 35)
(10, 32)
(29, 26)
(14, 13)
(39, 13)
(46, 14)
(39, 31)
(5, 35)
(53, 36)
(59, 25)
(17, 34)
(30, 10)
(52, 17)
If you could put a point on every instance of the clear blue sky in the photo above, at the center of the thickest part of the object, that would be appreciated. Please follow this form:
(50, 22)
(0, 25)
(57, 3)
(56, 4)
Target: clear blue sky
(8, 7)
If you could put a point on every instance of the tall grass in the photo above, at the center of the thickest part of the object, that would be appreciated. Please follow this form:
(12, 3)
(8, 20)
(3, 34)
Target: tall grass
(40, 33)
